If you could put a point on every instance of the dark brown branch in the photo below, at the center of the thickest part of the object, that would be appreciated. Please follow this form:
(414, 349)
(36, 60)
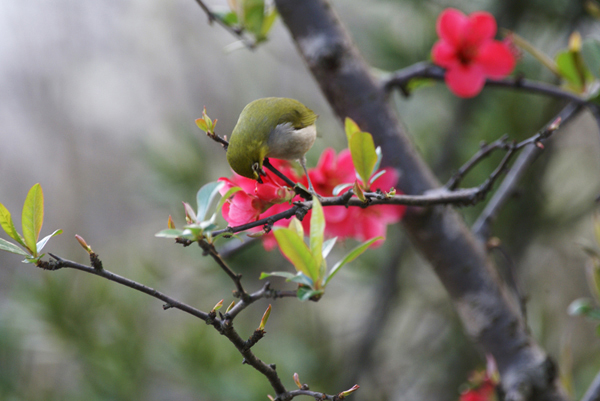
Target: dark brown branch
(486, 150)
(171, 302)
(481, 227)
(401, 78)
(224, 326)
(209, 249)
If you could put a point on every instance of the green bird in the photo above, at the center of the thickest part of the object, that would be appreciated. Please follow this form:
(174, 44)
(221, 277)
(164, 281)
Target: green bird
(275, 127)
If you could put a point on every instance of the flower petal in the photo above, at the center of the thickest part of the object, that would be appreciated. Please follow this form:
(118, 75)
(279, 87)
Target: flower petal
(496, 59)
(451, 26)
(465, 81)
(444, 54)
(481, 28)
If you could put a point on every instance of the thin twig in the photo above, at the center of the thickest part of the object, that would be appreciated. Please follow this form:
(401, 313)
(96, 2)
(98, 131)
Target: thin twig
(402, 77)
(484, 151)
(223, 326)
(170, 302)
(237, 32)
(209, 249)
(481, 227)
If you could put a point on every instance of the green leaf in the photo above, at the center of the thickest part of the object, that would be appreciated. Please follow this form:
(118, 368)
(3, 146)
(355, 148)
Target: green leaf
(201, 123)
(8, 225)
(376, 176)
(379, 154)
(254, 15)
(42, 243)
(268, 22)
(590, 50)
(363, 153)
(33, 217)
(296, 226)
(299, 277)
(580, 307)
(353, 254)
(571, 68)
(10, 247)
(341, 187)
(169, 233)
(286, 275)
(328, 246)
(317, 230)
(227, 195)
(304, 293)
(351, 128)
(294, 248)
(205, 197)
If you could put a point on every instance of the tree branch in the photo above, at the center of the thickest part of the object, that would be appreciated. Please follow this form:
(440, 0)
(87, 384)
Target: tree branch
(223, 326)
(236, 32)
(401, 78)
(481, 227)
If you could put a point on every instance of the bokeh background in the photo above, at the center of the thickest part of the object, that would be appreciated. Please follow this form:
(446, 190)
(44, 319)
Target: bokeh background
(97, 103)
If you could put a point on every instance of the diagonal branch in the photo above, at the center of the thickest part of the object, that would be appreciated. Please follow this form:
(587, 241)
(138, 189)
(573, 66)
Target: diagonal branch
(481, 227)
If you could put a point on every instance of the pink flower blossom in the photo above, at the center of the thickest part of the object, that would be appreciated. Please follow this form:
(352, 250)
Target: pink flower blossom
(249, 204)
(263, 200)
(468, 51)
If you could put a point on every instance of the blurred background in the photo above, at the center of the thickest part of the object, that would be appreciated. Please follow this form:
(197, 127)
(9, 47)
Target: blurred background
(97, 103)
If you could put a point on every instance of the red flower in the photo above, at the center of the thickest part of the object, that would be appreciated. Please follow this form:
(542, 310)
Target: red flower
(352, 222)
(263, 200)
(484, 392)
(247, 205)
(468, 51)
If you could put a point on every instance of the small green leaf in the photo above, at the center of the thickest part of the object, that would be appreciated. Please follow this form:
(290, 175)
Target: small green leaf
(328, 246)
(10, 247)
(8, 225)
(201, 123)
(42, 243)
(571, 68)
(33, 217)
(296, 226)
(268, 22)
(254, 15)
(169, 233)
(376, 176)
(227, 195)
(590, 50)
(363, 153)
(301, 278)
(340, 188)
(317, 230)
(351, 128)
(205, 198)
(379, 154)
(190, 215)
(580, 307)
(286, 275)
(353, 254)
(294, 248)
(304, 293)
(230, 18)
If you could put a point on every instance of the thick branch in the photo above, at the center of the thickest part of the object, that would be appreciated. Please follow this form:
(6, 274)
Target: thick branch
(487, 311)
